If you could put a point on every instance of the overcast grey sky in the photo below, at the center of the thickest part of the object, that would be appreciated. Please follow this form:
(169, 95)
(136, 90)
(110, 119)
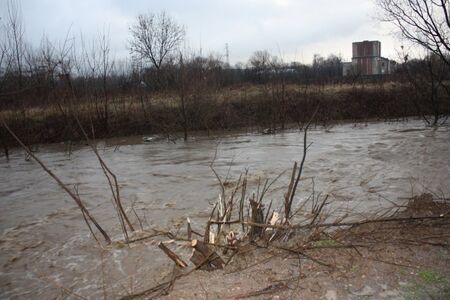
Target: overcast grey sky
(294, 29)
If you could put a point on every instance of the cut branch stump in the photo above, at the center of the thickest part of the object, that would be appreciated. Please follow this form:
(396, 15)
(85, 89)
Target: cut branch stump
(256, 217)
(172, 255)
(202, 252)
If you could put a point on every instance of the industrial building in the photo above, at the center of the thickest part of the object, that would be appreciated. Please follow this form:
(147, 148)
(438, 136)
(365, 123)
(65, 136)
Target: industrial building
(367, 60)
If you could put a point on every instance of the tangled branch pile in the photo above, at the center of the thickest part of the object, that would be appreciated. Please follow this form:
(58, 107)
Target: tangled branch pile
(243, 224)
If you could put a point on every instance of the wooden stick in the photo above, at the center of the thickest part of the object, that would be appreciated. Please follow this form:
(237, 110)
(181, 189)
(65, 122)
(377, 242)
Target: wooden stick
(197, 258)
(339, 224)
(208, 224)
(172, 255)
(257, 217)
(305, 148)
(207, 230)
(335, 224)
(287, 197)
(77, 200)
(196, 233)
(189, 229)
(241, 202)
(203, 248)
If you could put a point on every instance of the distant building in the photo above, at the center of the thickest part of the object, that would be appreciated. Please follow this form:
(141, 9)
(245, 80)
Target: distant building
(367, 60)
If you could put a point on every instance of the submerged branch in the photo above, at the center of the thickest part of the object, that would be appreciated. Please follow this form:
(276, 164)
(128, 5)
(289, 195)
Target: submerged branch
(61, 184)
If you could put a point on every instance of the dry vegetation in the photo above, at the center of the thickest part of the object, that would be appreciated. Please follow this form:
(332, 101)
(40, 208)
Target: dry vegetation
(400, 257)
(312, 254)
(246, 106)
(281, 248)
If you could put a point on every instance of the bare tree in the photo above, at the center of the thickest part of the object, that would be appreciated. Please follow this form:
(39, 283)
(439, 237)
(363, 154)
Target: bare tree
(15, 33)
(4, 61)
(423, 22)
(328, 68)
(427, 76)
(260, 59)
(278, 90)
(98, 67)
(182, 94)
(107, 65)
(259, 63)
(155, 37)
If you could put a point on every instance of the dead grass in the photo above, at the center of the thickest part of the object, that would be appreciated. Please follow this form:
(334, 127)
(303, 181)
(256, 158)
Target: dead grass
(240, 106)
(170, 99)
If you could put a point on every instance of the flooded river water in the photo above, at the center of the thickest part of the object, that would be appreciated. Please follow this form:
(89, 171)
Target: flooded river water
(46, 247)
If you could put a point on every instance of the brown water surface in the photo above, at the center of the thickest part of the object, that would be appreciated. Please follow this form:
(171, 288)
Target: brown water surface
(45, 244)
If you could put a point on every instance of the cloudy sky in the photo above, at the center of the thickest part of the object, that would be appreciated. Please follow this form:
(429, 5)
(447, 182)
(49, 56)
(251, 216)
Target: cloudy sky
(294, 29)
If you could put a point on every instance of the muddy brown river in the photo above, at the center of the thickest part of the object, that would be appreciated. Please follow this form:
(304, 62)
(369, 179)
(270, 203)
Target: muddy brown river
(46, 248)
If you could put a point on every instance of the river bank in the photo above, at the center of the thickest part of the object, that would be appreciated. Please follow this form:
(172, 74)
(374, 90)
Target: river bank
(248, 106)
(392, 260)
(46, 245)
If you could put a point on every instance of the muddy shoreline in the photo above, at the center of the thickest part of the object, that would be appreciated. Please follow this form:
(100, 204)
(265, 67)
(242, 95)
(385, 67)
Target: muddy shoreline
(386, 261)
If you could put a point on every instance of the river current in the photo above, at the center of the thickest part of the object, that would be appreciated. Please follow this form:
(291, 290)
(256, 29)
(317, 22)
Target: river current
(46, 248)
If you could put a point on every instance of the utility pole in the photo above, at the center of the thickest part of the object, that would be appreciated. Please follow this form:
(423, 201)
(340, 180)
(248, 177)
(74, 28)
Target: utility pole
(227, 54)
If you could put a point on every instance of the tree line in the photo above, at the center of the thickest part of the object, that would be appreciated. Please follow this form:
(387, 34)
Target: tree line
(164, 87)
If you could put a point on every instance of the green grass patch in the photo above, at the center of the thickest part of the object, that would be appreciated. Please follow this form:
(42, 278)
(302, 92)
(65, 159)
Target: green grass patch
(325, 243)
(429, 285)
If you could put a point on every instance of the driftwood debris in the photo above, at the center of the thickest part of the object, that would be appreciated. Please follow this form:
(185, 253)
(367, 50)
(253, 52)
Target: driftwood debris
(189, 229)
(201, 252)
(257, 216)
(172, 255)
(198, 259)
